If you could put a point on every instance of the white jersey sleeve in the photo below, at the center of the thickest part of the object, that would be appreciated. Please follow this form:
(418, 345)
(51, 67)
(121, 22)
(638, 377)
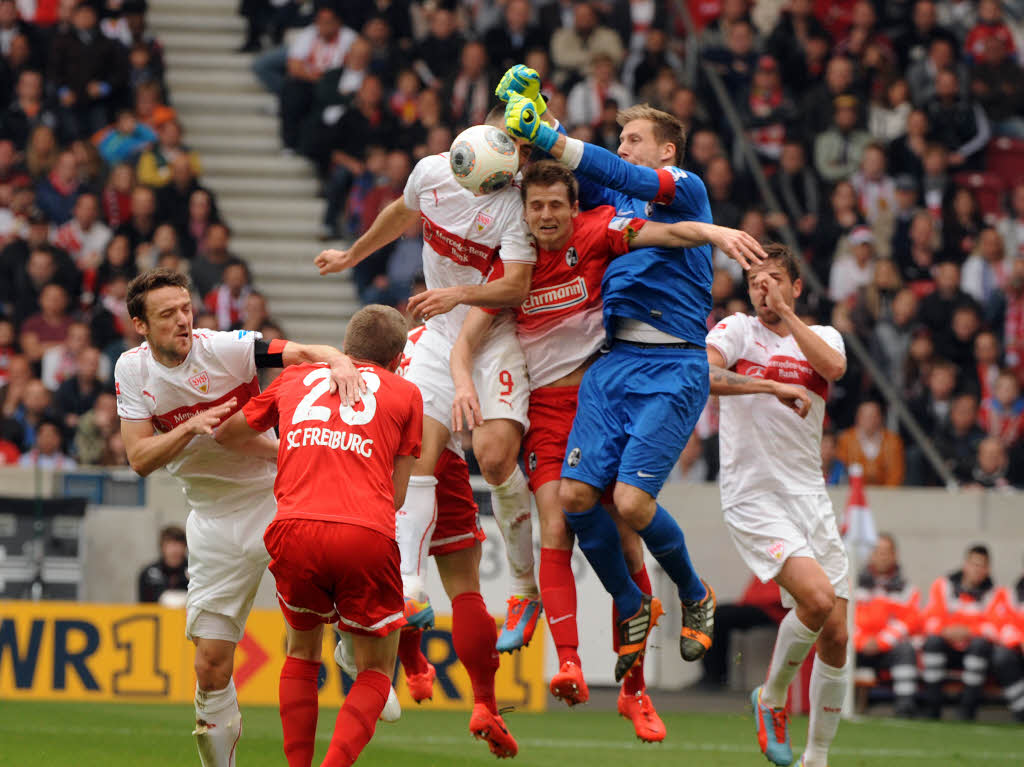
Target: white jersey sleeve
(425, 169)
(730, 337)
(236, 350)
(517, 242)
(131, 404)
(831, 336)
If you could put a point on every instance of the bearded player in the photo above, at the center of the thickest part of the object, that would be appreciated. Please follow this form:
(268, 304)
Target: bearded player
(560, 331)
(342, 472)
(172, 391)
(773, 494)
(639, 402)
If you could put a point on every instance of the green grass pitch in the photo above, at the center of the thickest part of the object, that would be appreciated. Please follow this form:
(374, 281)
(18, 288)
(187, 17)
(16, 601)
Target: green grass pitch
(111, 735)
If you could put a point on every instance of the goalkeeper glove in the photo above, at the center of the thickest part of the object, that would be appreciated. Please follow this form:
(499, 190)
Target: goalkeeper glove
(523, 81)
(522, 121)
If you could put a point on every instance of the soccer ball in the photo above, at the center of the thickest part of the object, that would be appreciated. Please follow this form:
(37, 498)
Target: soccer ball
(483, 159)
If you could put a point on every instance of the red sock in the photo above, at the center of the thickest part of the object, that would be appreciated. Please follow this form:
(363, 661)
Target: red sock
(357, 719)
(633, 682)
(410, 652)
(298, 704)
(475, 635)
(558, 593)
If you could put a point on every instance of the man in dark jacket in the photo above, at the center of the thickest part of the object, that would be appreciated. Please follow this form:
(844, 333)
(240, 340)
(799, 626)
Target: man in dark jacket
(169, 573)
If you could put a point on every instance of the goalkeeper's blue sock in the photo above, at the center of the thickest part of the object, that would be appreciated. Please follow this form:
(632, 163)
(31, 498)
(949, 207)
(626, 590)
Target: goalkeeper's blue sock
(598, 538)
(664, 539)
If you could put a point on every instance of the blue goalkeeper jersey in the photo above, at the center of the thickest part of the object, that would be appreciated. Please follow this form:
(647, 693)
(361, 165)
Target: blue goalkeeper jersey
(668, 288)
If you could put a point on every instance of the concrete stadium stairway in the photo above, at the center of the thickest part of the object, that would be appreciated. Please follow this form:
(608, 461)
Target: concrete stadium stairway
(268, 199)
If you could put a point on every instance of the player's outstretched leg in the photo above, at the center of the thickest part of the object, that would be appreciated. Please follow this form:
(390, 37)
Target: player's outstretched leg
(414, 526)
(419, 672)
(828, 688)
(496, 447)
(218, 720)
(474, 637)
(634, 703)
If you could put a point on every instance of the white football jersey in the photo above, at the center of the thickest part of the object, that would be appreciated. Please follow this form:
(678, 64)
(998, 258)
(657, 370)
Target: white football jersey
(221, 365)
(463, 233)
(763, 445)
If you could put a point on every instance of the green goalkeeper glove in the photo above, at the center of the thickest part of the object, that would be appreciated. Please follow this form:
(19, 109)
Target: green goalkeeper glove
(523, 81)
(522, 121)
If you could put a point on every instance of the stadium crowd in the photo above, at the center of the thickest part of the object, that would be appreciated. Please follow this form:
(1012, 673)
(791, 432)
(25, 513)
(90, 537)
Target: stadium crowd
(97, 184)
(891, 134)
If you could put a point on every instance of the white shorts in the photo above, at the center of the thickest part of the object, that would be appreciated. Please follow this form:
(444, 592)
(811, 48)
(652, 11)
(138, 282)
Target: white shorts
(226, 561)
(499, 375)
(773, 527)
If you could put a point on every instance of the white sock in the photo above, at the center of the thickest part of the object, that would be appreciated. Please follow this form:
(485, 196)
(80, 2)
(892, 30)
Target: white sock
(828, 688)
(414, 527)
(792, 644)
(510, 502)
(218, 726)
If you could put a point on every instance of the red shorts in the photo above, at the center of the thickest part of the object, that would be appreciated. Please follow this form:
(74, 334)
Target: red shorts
(335, 571)
(458, 518)
(552, 410)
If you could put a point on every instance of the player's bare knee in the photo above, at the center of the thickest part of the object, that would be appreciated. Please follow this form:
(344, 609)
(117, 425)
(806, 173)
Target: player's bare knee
(213, 671)
(635, 507)
(833, 641)
(496, 463)
(817, 606)
(576, 497)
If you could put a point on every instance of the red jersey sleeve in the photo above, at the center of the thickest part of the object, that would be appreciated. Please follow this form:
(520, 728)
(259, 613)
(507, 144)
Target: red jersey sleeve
(620, 231)
(412, 435)
(260, 412)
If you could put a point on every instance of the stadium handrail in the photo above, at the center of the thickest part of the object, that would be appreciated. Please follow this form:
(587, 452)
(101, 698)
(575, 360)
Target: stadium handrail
(860, 351)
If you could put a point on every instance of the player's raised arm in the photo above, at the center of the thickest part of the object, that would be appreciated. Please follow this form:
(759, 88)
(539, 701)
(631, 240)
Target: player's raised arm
(734, 243)
(385, 229)
(726, 383)
(345, 379)
(466, 405)
(511, 289)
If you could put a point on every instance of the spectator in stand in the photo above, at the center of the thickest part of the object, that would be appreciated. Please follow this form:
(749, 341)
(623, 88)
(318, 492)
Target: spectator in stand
(892, 336)
(208, 266)
(468, 91)
(833, 469)
(117, 262)
(997, 83)
(888, 112)
(937, 307)
(735, 61)
(48, 450)
(318, 48)
(868, 443)
(952, 626)
(170, 572)
(1011, 225)
(573, 47)
(956, 343)
(41, 152)
(987, 357)
(35, 406)
(1002, 414)
(143, 222)
(798, 190)
(653, 62)
(990, 466)
(961, 224)
(117, 195)
(433, 58)
(760, 605)
(125, 140)
(60, 363)
(789, 40)
(200, 215)
(913, 45)
(78, 394)
(508, 42)
(906, 153)
(936, 183)
(986, 273)
(256, 314)
(227, 301)
(29, 109)
(886, 616)
(94, 429)
(87, 70)
(19, 375)
(958, 123)
(876, 191)
(730, 14)
(922, 76)
(85, 237)
(873, 303)
(853, 267)
(957, 442)
(917, 259)
(588, 97)
(56, 194)
(932, 407)
(1013, 325)
(150, 107)
(838, 150)
(49, 327)
(702, 147)
(990, 26)
(719, 179)
(817, 107)
(155, 167)
(766, 111)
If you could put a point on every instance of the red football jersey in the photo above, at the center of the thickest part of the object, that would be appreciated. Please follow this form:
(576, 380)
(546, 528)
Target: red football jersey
(335, 462)
(560, 323)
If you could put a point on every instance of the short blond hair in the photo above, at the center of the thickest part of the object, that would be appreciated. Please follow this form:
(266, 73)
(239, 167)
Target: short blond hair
(376, 333)
(667, 128)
